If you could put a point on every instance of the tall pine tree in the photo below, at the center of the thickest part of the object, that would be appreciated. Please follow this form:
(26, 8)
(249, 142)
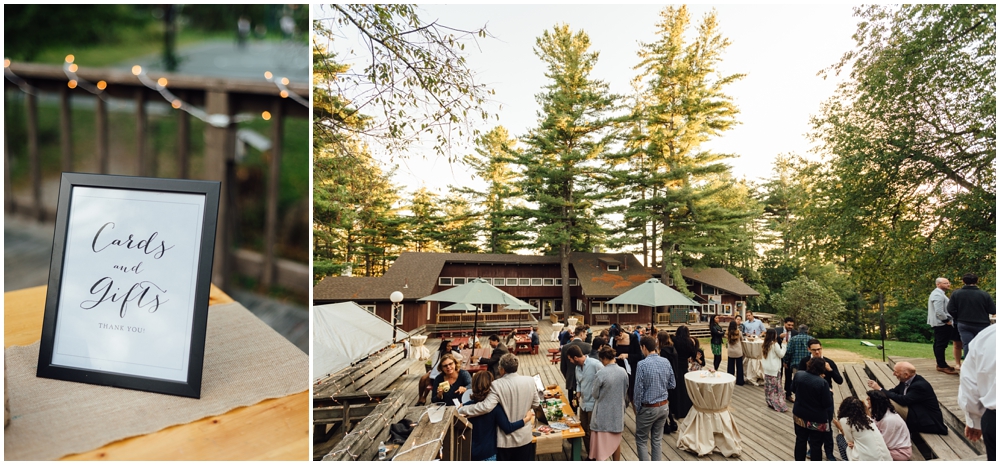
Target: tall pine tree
(564, 153)
(493, 163)
(684, 106)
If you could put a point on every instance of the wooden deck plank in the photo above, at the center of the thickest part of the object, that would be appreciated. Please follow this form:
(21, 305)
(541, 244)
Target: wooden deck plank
(767, 435)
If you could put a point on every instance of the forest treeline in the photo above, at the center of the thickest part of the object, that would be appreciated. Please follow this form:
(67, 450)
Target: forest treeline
(902, 191)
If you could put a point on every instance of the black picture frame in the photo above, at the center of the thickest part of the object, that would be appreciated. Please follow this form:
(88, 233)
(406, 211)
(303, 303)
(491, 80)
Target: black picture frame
(199, 255)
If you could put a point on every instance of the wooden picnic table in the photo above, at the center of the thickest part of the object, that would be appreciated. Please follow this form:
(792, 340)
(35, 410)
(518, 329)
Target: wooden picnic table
(274, 429)
(522, 345)
(574, 435)
(460, 342)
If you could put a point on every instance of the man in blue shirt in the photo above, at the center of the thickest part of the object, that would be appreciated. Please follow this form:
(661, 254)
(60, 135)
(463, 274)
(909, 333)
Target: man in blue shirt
(798, 349)
(654, 377)
(586, 372)
(753, 327)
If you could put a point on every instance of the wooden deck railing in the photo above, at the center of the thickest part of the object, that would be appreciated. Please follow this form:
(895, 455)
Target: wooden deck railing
(495, 317)
(216, 96)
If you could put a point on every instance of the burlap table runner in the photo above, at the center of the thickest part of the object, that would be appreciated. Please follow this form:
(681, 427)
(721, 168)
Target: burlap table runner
(245, 362)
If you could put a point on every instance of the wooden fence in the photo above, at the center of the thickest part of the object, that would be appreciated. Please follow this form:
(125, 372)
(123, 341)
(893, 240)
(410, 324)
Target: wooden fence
(216, 96)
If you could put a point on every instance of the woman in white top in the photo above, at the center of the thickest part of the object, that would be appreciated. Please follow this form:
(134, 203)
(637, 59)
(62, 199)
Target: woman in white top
(859, 438)
(892, 426)
(774, 393)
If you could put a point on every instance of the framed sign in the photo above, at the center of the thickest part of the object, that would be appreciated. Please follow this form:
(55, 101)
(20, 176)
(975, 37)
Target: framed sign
(127, 302)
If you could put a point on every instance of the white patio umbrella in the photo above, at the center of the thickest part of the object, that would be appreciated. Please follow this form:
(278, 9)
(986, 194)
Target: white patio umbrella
(477, 291)
(653, 293)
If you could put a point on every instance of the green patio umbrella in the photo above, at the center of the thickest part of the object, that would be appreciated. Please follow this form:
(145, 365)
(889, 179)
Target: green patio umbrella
(653, 293)
(477, 291)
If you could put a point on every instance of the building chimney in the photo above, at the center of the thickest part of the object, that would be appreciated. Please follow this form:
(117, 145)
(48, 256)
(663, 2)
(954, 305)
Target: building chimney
(347, 271)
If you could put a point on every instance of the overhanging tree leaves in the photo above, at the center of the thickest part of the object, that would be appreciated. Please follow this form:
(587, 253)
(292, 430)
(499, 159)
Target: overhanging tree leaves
(909, 192)
(413, 80)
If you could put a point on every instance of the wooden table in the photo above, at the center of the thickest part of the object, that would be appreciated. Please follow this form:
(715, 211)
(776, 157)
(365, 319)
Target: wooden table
(522, 345)
(574, 437)
(460, 342)
(274, 429)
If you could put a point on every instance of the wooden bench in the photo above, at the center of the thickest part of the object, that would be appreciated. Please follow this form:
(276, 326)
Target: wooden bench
(447, 440)
(946, 447)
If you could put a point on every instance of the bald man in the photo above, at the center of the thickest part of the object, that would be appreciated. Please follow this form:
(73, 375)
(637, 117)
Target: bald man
(915, 395)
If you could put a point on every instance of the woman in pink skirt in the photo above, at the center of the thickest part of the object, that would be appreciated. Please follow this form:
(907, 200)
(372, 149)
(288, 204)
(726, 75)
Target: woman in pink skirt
(773, 351)
(607, 421)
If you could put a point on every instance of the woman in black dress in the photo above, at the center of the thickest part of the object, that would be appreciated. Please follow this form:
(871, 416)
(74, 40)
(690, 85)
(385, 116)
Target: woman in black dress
(668, 352)
(717, 333)
(680, 404)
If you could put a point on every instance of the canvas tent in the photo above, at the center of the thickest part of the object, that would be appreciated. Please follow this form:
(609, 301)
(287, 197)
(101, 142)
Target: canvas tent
(344, 333)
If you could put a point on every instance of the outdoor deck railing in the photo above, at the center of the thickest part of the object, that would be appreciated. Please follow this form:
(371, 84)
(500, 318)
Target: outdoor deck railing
(216, 96)
(495, 317)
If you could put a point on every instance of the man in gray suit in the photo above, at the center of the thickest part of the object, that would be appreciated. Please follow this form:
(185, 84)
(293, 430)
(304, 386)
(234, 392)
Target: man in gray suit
(516, 394)
(567, 367)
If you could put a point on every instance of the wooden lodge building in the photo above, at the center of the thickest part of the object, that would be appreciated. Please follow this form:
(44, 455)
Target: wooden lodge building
(595, 278)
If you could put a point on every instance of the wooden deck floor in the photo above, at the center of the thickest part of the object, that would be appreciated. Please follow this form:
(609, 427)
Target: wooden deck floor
(767, 435)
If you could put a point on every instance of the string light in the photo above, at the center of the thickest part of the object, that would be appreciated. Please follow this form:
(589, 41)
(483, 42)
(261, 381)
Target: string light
(70, 68)
(283, 87)
(74, 81)
(20, 83)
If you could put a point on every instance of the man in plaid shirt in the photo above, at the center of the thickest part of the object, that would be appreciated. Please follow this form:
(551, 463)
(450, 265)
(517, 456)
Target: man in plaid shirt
(653, 377)
(798, 349)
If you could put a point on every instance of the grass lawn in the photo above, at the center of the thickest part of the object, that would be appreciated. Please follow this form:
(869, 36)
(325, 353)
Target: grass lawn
(902, 349)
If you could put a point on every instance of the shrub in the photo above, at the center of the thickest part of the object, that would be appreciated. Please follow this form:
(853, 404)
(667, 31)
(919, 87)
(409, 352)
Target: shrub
(911, 326)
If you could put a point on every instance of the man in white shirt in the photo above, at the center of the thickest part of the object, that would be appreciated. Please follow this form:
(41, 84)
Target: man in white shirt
(943, 326)
(977, 391)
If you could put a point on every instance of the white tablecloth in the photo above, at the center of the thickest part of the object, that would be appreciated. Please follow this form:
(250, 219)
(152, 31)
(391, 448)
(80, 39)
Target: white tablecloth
(753, 361)
(556, 329)
(417, 348)
(709, 426)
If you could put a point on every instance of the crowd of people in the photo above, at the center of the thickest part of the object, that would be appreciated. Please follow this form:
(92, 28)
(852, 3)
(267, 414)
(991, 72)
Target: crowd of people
(641, 368)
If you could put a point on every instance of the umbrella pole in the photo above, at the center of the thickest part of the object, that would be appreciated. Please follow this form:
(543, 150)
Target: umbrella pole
(475, 324)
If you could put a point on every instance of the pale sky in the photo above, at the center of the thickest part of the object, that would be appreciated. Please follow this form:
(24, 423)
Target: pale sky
(780, 48)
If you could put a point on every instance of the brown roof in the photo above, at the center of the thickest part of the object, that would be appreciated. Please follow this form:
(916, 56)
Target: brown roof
(414, 274)
(596, 282)
(720, 278)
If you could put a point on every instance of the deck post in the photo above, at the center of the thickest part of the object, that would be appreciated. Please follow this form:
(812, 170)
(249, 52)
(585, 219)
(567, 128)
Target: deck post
(34, 162)
(141, 124)
(273, 189)
(101, 123)
(66, 129)
(220, 156)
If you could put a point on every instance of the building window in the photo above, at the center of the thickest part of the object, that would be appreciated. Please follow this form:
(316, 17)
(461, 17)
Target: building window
(444, 281)
(612, 267)
(608, 309)
(536, 281)
(458, 281)
(512, 281)
(558, 282)
(548, 282)
(573, 282)
(370, 308)
(524, 281)
(708, 290)
(727, 309)
(499, 281)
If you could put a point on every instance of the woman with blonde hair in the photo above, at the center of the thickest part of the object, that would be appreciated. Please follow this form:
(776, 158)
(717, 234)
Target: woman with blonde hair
(452, 382)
